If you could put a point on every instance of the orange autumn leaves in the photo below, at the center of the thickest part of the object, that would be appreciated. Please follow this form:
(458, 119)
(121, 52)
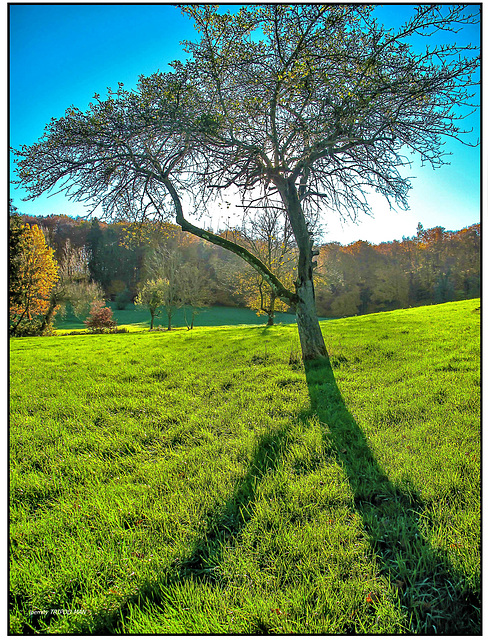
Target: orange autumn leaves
(36, 276)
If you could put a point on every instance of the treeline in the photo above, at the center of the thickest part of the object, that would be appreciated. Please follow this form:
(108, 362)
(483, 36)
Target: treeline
(435, 266)
(39, 285)
(432, 267)
(117, 254)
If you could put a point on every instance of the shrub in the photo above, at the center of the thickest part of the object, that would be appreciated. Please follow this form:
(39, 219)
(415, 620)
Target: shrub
(32, 327)
(100, 318)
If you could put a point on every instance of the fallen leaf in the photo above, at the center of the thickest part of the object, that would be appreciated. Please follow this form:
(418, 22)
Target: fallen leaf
(372, 597)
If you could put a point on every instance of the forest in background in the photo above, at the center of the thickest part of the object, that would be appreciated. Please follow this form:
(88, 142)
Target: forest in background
(434, 266)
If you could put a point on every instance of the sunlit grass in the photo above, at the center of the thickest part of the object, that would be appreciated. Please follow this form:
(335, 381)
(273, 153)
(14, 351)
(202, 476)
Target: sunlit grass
(199, 482)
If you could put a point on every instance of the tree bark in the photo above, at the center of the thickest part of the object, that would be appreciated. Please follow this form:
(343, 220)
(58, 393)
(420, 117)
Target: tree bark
(311, 338)
(48, 318)
(271, 310)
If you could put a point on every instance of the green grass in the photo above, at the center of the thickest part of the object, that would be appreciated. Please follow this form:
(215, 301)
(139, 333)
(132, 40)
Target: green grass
(137, 318)
(206, 482)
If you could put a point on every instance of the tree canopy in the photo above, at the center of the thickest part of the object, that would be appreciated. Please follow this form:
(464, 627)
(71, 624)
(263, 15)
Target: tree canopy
(306, 108)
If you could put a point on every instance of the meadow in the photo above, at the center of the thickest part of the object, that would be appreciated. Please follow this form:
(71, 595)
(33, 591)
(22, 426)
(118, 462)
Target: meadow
(207, 481)
(133, 318)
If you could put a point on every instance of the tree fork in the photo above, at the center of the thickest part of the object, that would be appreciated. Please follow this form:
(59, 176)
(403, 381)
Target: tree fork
(271, 279)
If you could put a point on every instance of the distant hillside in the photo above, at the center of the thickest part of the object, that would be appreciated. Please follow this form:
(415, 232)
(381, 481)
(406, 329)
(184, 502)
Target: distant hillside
(434, 266)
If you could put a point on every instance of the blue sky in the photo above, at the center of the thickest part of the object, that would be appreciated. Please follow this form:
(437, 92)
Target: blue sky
(60, 55)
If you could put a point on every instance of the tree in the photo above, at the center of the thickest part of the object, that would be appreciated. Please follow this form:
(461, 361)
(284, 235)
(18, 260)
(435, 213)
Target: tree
(466, 265)
(165, 263)
(391, 286)
(16, 247)
(73, 285)
(111, 262)
(304, 107)
(95, 246)
(100, 318)
(193, 289)
(36, 274)
(152, 296)
(347, 304)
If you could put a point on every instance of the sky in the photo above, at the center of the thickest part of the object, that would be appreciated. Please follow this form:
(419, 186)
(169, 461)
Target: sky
(62, 54)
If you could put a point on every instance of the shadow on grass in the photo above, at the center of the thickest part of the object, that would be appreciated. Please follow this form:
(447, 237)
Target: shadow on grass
(433, 593)
(434, 596)
(232, 517)
(225, 524)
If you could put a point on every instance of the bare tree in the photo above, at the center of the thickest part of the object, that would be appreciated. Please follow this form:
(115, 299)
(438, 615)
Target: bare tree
(307, 108)
(193, 287)
(268, 235)
(165, 263)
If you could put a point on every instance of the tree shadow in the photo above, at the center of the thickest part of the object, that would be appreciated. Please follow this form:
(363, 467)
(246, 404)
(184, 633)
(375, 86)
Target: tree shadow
(433, 593)
(233, 516)
(224, 526)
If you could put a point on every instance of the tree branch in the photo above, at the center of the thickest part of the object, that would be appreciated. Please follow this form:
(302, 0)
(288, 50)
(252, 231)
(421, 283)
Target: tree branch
(280, 290)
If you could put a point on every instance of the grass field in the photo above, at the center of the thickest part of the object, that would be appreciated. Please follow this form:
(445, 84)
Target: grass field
(138, 318)
(207, 482)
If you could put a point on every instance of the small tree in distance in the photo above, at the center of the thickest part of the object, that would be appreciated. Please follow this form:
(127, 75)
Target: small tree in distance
(152, 296)
(192, 284)
(268, 235)
(165, 263)
(100, 318)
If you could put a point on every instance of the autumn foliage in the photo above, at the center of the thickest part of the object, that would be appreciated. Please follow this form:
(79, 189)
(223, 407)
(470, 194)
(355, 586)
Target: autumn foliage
(35, 275)
(100, 319)
(434, 266)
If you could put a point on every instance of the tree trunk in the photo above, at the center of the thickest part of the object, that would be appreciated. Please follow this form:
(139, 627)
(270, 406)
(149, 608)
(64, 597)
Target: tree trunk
(311, 338)
(152, 319)
(13, 328)
(271, 310)
(48, 318)
(188, 326)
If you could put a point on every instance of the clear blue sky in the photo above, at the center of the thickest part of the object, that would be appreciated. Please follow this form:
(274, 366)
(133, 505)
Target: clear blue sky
(61, 54)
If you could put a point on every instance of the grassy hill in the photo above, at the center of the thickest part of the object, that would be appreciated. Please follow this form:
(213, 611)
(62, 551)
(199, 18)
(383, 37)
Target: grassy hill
(208, 482)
